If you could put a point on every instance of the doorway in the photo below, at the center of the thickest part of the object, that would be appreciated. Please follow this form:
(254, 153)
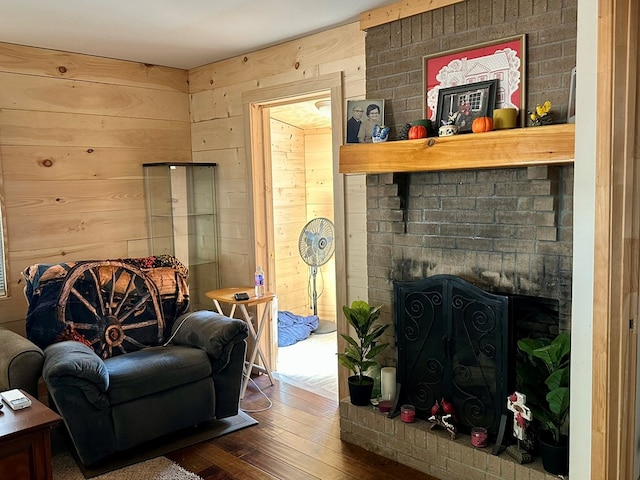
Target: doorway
(302, 200)
(291, 185)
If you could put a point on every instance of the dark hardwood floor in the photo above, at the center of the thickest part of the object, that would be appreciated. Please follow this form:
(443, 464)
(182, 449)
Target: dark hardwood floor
(298, 438)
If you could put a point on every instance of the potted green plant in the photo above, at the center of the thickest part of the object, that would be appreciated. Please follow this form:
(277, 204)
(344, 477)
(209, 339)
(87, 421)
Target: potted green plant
(543, 376)
(360, 351)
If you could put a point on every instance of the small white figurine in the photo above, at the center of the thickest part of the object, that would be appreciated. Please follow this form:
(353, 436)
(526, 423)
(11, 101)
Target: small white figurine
(521, 419)
(521, 414)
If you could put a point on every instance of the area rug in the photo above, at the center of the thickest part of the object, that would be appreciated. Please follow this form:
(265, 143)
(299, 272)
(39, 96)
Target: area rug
(153, 449)
(161, 468)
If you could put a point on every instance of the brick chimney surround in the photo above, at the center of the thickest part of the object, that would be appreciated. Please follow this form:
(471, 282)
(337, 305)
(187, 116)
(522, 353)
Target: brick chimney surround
(506, 230)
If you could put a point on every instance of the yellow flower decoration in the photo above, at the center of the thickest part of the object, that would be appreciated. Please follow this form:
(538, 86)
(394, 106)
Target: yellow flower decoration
(543, 109)
(541, 115)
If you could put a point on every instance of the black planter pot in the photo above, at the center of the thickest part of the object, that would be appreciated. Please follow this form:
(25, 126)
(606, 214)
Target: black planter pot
(555, 458)
(360, 391)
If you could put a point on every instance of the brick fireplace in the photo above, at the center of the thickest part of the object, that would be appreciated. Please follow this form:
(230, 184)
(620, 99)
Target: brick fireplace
(506, 230)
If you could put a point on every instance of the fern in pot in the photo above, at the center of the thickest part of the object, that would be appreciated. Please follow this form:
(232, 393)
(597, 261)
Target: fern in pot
(543, 377)
(361, 351)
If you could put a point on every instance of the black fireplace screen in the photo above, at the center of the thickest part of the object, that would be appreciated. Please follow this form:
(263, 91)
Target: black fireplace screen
(452, 342)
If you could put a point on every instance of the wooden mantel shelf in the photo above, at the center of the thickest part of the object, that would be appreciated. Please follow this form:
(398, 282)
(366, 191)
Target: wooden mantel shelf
(519, 147)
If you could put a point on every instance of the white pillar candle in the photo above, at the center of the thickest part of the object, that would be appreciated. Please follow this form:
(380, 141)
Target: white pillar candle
(388, 383)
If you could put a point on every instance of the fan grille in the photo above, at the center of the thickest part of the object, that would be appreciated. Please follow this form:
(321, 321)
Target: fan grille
(317, 242)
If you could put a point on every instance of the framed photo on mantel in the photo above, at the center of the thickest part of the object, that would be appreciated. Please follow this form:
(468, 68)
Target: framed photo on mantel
(502, 60)
(362, 115)
(461, 105)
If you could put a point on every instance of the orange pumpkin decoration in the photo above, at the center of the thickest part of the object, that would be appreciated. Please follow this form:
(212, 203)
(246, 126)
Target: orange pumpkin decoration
(482, 124)
(417, 131)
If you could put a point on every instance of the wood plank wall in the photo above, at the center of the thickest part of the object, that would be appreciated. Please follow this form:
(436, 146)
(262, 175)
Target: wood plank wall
(302, 190)
(75, 130)
(74, 133)
(290, 214)
(218, 132)
(319, 181)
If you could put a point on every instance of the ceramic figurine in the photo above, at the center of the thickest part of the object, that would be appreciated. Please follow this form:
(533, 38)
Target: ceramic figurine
(380, 133)
(447, 130)
(449, 126)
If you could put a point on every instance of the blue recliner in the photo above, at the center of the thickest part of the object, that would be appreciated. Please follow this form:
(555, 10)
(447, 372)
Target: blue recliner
(124, 362)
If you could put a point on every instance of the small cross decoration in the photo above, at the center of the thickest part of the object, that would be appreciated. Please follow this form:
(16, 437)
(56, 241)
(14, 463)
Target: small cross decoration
(521, 419)
(521, 414)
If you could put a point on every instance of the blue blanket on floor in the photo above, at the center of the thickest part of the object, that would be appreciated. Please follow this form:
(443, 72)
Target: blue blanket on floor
(293, 328)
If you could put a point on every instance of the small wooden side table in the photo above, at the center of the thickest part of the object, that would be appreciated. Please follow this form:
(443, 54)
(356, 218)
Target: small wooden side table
(25, 441)
(226, 295)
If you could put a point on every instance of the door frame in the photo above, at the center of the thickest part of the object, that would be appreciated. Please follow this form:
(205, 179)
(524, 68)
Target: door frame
(256, 104)
(617, 242)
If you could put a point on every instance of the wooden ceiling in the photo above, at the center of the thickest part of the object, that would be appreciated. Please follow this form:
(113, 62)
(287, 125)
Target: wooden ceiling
(304, 115)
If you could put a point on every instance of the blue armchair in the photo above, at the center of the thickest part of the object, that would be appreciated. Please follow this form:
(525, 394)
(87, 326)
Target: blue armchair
(124, 362)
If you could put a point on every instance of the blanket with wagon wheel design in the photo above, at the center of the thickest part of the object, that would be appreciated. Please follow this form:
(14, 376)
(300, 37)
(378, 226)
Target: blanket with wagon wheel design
(113, 306)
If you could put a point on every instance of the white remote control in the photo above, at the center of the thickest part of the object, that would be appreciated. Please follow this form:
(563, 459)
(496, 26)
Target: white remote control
(15, 399)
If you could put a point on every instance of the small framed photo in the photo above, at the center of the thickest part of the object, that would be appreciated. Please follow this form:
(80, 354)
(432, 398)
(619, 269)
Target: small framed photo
(571, 113)
(362, 115)
(461, 105)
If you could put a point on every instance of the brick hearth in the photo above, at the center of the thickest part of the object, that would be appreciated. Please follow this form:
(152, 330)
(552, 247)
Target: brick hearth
(430, 451)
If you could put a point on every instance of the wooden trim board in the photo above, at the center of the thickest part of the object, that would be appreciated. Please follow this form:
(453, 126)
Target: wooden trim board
(400, 10)
(519, 147)
(616, 244)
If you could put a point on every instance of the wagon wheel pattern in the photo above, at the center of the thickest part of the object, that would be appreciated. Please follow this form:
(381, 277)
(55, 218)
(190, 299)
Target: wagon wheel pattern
(113, 305)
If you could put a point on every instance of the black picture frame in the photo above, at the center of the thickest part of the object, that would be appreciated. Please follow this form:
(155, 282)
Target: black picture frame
(480, 100)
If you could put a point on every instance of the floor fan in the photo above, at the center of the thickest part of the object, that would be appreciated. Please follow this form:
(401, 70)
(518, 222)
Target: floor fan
(316, 246)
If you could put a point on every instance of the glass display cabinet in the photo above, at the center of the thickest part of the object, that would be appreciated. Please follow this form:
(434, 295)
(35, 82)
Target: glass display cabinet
(182, 220)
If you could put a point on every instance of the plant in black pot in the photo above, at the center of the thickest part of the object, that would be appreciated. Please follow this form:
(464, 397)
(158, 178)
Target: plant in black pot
(360, 352)
(543, 376)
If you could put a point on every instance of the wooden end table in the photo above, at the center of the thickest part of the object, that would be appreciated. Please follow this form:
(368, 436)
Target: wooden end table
(226, 295)
(25, 442)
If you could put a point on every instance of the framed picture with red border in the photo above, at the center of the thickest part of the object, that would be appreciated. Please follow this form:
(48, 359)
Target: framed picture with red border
(503, 60)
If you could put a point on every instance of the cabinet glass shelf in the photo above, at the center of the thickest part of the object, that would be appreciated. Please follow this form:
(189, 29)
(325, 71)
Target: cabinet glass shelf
(182, 221)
